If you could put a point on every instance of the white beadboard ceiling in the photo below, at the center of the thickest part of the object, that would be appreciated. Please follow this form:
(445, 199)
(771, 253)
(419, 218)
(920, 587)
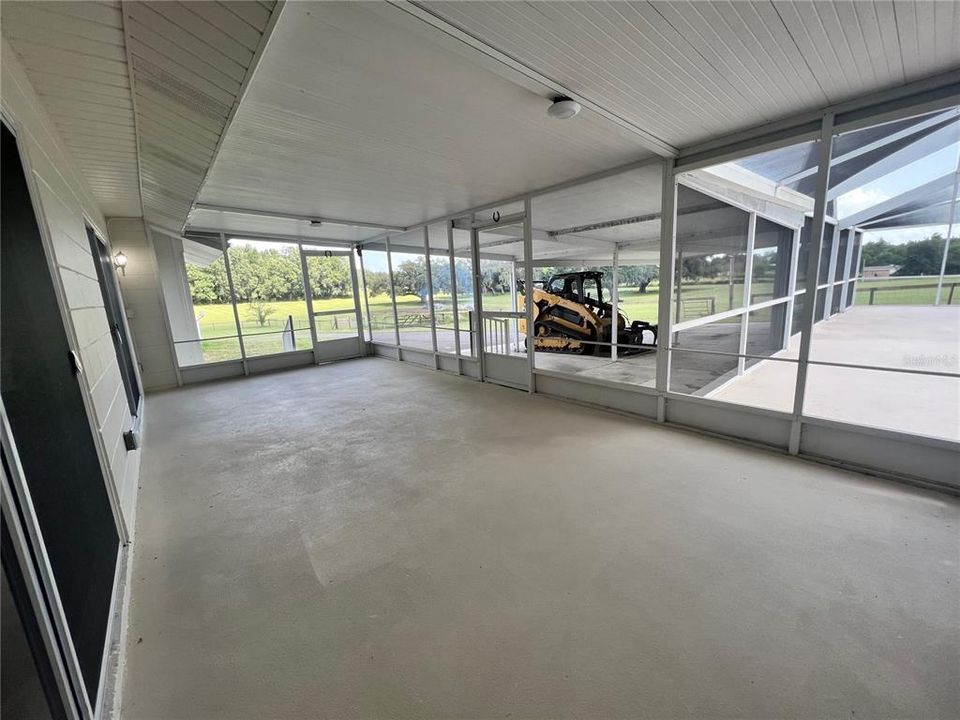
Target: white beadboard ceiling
(74, 56)
(188, 61)
(691, 71)
(354, 114)
(365, 111)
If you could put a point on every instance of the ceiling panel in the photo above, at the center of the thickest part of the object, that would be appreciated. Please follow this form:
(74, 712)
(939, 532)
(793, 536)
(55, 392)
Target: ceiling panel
(691, 71)
(352, 114)
(239, 224)
(189, 63)
(74, 56)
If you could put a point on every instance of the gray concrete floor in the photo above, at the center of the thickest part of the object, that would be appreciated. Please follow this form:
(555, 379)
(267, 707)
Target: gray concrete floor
(369, 539)
(913, 338)
(640, 369)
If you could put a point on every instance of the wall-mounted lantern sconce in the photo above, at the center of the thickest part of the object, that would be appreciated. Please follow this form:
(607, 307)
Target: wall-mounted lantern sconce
(120, 262)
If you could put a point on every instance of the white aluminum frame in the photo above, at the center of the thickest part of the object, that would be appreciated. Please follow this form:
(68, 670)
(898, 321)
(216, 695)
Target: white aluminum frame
(430, 299)
(312, 315)
(46, 578)
(70, 332)
(233, 302)
(915, 98)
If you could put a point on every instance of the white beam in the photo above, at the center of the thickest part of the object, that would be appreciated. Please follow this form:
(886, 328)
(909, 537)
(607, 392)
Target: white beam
(313, 219)
(938, 92)
(875, 145)
(944, 137)
(813, 272)
(946, 240)
(893, 204)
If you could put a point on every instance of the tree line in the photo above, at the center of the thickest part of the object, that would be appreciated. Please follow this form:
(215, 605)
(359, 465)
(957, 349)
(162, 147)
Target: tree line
(919, 257)
(272, 274)
(275, 274)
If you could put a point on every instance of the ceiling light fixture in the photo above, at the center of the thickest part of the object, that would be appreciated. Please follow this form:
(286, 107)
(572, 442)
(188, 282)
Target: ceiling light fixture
(563, 108)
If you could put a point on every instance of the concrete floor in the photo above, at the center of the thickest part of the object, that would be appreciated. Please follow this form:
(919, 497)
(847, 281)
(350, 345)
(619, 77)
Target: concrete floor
(370, 539)
(918, 338)
(638, 369)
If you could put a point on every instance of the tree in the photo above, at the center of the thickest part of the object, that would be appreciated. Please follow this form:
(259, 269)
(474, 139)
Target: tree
(495, 277)
(410, 277)
(329, 276)
(881, 252)
(918, 257)
(208, 283)
(260, 311)
(378, 283)
(464, 277)
(440, 275)
(924, 257)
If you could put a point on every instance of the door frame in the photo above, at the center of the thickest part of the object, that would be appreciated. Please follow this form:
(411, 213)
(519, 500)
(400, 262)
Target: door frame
(340, 348)
(28, 543)
(497, 368)
(15, 127)
(88, 708)
(126, 337)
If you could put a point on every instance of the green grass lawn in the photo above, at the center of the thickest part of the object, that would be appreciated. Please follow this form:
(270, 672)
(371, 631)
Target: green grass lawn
(907, 291)
(218, 328)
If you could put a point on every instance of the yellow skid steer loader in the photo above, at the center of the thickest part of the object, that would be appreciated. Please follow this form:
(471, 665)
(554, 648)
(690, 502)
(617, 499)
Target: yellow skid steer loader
(571, 316)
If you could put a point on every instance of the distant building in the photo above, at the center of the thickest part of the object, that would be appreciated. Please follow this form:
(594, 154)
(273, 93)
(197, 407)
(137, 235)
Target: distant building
(879, 271)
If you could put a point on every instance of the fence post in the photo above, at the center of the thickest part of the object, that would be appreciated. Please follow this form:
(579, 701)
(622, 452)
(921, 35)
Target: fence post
(950, 296)
(872, 291)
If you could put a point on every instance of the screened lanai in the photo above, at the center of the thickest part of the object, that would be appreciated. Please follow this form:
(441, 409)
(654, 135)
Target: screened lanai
(449, 294)
(876, 348)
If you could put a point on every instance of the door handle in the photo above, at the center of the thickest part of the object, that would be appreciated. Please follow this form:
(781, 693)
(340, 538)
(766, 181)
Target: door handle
(75, 363)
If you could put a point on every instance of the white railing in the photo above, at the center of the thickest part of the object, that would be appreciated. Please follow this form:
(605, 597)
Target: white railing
(501, 335)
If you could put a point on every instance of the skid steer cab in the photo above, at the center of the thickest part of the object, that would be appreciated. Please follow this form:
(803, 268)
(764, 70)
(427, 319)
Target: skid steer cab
(572, 316)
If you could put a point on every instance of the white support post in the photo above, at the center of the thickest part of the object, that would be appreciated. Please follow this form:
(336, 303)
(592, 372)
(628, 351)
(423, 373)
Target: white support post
(813, 272)
(831, 272)
(361, 345)
(477, 326)
(513, 334)
(455, 304)
(433, 319)
(308, 295)
(791, 286)
(847, 272)
(366, 295)
(615, 303)
(668, 241)
(233, 302)
(393, 297)
(730, 284)
(747, 291)
(679, 279)
(528, 291)
(856, 266)
(946, 242)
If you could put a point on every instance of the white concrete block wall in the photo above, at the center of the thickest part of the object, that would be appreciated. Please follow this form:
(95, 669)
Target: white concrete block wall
(140, 287)
(65, 205)
(176, 294)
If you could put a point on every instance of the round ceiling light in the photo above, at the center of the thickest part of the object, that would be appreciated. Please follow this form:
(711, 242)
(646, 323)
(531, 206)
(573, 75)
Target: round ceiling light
(563, 108)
